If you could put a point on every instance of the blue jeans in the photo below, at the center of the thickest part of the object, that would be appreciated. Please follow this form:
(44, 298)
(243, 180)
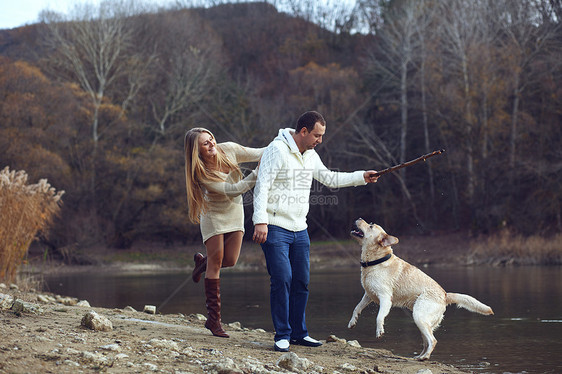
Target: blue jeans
(287, 257)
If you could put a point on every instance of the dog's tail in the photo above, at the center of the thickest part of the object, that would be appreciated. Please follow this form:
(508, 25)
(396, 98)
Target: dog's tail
(469, 303)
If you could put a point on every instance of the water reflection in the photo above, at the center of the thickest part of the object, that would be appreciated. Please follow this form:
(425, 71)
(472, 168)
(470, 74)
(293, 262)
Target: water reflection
(524, 335)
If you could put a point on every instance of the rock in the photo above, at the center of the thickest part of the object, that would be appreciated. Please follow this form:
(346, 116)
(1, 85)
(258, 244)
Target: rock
(129, 309)
(83, 303)
(96, 358)
(198, 317)
(43, 299)
(424, 371)
(354, 343)
(6, 301)
(254, 366)
(72, 351)
(150, 309)
(347, 367)
(164, 344)
(79, 339)
(21, 306)
(235, 326)
(2, 285)
(224, 366)
(290, 361)
(71, 363)
(335, 339)
(150, 366)
(14, 286)
(111, 347)
(68, 301)
(96, 322)
(190, 352)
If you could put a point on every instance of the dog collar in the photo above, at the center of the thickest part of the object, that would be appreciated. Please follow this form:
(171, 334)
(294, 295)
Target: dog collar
(376, 262)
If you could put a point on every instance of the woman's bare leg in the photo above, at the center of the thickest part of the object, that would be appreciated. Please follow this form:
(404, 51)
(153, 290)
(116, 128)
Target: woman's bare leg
(222, 252)
(232, 246)
(215, 254)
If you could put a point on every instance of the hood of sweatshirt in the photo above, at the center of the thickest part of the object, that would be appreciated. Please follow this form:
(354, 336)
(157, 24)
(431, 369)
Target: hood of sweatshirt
(286, 136)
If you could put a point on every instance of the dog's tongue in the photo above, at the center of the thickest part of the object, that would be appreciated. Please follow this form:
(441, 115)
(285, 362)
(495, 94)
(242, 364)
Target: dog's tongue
(357, 232)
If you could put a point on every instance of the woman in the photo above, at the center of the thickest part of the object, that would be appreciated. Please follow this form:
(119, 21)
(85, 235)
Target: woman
(214, 185)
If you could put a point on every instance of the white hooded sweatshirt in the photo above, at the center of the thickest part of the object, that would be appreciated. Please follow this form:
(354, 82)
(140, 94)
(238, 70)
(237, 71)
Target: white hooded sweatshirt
(282, 192)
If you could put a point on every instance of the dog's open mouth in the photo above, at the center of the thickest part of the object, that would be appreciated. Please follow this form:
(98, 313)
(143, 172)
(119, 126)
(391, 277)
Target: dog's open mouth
(356, 231)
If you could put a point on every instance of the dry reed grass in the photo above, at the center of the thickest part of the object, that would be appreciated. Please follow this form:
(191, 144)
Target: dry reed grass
(506, 248)
(25, 209)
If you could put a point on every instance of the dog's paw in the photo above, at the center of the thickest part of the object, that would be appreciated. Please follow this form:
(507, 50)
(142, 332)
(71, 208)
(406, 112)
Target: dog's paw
(352, 321)
(380, 332)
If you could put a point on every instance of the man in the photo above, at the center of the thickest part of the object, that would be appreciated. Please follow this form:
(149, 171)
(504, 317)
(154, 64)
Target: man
(281, 203)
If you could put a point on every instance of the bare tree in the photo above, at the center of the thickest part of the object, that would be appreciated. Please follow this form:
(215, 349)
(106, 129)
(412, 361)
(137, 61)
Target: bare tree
(398, 33)
(187, 68)
(93, 46)
(382, 157)
(464, 30)
(333, 15)
(396, 53)
(422, 31)
(529, 28)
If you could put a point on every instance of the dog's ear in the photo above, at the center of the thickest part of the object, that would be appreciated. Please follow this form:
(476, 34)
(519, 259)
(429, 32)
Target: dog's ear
(388, 240)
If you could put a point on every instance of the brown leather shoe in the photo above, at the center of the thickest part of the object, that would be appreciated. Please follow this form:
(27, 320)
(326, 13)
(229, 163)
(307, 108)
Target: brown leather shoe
(213, 294)
(200, 267)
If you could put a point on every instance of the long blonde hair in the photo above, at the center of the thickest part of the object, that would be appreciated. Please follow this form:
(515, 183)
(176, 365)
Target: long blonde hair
(197, 172)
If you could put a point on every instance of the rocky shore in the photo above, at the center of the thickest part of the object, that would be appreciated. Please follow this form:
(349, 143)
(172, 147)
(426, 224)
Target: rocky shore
(46, 333)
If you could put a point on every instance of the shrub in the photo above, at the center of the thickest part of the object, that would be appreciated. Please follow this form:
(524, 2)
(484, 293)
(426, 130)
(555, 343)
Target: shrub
(507, 248)
(24, 211)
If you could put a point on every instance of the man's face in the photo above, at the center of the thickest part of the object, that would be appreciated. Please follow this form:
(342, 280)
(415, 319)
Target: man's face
(311, 139)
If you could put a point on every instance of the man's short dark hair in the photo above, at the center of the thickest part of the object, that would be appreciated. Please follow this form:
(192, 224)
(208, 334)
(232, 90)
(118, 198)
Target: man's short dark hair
(308, 120)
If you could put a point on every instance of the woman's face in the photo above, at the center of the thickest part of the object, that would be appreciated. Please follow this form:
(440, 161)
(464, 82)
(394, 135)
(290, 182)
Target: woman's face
(207, 146)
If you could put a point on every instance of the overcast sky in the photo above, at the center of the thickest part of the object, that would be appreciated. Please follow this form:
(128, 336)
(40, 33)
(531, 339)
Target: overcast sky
(16, 13)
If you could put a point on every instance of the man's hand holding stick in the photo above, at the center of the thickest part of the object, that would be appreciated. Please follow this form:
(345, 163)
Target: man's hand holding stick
(375, 175)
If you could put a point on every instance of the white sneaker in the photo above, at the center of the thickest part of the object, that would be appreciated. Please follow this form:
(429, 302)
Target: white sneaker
(281, 345)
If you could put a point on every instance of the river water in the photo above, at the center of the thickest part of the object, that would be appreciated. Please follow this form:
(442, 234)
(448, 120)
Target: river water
(524, 335)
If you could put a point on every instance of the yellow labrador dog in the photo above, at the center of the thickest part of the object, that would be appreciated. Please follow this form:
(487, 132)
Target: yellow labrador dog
(391, 281)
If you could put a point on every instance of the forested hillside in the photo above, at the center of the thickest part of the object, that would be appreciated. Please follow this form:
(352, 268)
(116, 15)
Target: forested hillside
(98, 101)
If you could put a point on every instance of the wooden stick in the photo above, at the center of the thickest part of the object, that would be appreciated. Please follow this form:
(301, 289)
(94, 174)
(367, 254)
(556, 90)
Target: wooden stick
(409, 163)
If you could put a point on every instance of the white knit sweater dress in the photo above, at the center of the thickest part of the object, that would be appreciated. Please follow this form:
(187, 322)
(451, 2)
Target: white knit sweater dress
(225, 210)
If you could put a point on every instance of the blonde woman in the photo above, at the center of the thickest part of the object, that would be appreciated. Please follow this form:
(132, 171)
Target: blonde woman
(214, 184)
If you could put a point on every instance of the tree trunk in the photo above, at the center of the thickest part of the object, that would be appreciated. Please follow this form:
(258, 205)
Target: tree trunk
(403, 114)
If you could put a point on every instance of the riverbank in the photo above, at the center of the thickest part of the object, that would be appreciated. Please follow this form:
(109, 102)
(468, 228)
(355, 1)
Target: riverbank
(443, 249)
(53, 340)
(46, 333)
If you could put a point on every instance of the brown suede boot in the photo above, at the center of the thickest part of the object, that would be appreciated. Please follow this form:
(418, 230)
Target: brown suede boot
(213, 294)
(200, 267)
